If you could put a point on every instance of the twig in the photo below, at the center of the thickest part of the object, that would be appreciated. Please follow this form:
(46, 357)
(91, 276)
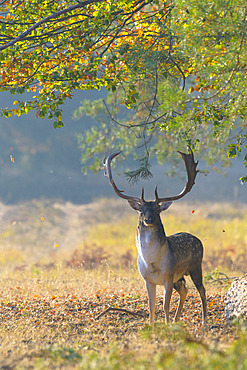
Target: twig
(119, 310)
(225, 278)
(222, 279)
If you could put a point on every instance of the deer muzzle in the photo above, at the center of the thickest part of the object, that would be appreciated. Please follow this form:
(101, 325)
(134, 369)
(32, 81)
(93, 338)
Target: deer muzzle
(148, 221)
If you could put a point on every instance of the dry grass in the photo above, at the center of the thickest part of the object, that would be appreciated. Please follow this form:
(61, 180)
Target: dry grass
(62, 265)
(49, 319)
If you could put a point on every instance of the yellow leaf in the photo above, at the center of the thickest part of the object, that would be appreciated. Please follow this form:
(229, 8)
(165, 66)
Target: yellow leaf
(140, 32)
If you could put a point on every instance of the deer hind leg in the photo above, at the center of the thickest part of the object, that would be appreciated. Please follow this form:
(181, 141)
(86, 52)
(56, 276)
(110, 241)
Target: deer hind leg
(182, 290)
(151, 289)
(196, 276)
(168, 285)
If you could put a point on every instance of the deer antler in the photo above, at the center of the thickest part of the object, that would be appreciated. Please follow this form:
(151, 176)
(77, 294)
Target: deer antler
(190, 165)
(108, 174)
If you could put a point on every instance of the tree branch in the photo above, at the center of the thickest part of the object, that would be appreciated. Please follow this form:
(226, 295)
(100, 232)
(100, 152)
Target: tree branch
(46, 19)
(122, 26)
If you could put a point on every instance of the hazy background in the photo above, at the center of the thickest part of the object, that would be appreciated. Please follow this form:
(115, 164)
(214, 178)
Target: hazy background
(47, 164)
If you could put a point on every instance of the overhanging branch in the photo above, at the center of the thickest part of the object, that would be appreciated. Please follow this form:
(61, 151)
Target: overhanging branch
(46, 19)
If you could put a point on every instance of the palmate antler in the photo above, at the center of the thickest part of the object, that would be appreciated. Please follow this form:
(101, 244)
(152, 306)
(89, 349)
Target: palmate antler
(191, 170)
(190, 165)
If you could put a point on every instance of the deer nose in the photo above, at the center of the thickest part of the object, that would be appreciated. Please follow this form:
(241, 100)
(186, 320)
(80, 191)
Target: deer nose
(148, 220)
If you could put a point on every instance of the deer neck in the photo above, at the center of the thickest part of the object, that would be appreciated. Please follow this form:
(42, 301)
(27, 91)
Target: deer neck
(152, 236)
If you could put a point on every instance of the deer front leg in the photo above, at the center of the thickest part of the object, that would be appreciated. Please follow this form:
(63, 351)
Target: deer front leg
(168, 285)
(151, 289)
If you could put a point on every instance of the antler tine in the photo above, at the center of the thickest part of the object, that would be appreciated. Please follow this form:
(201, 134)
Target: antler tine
(156, 194)
(142, 197)
(191, 170)
(108, 174)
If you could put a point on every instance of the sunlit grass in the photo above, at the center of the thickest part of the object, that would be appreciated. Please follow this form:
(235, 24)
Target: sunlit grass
(222, 232)
(115, 237)
(104, 233)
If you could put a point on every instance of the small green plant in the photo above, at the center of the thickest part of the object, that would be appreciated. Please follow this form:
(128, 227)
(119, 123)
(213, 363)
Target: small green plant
(162, 331)
(63, 354)
(216, 276)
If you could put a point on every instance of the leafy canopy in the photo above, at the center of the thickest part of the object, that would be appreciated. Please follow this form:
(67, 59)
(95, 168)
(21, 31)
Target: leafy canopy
(178, 66)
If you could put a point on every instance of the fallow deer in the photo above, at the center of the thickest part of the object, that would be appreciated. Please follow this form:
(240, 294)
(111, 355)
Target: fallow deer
(164, 260)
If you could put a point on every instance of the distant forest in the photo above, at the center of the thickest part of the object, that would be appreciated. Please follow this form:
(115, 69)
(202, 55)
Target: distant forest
(38, 161)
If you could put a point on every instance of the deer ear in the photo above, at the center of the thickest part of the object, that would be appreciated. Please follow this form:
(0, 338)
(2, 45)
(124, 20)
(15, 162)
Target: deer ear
(134, 204)
(165, 206)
